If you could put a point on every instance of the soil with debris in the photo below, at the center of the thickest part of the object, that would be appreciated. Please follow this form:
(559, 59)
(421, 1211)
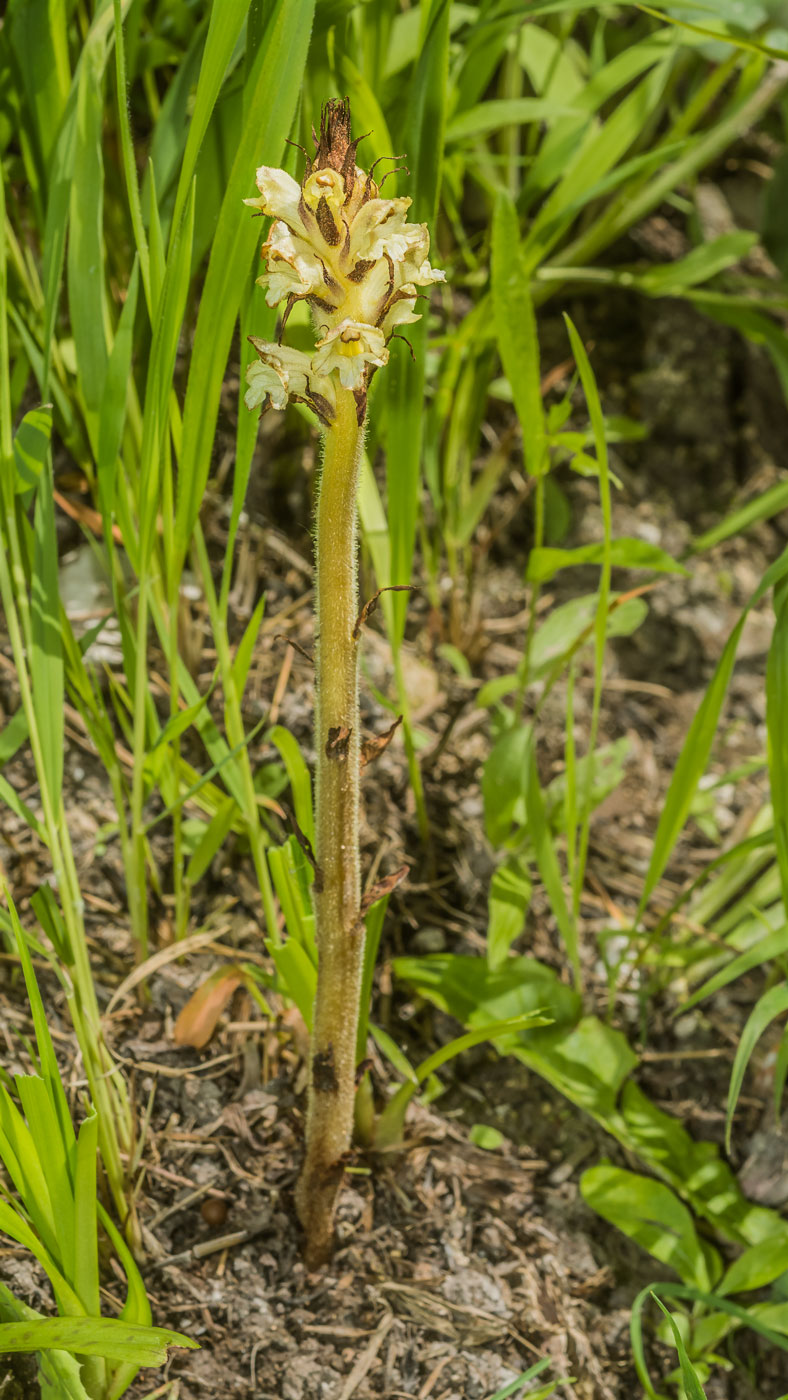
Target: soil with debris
(457, 1268)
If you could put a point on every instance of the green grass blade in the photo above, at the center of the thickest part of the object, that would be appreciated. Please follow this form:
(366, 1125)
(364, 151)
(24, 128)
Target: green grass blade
(422, 140)
(600, 623)
(697, 747)
(515, 329)
(271, 94)
(300, 781)
(86, 290)
(762, 507)
(85, 1249)
(766, 1009)
(37, 34)
(224, 26)
(777, 727)
(692, 1386)
(543, 842)
(46, 659)
(112, 416)
(46, 1050)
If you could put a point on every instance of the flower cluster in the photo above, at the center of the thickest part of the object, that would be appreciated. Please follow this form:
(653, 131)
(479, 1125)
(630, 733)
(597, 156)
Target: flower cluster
(352, 256)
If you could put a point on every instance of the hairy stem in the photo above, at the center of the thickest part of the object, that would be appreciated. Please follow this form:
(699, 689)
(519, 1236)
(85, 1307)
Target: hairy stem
(337, 889)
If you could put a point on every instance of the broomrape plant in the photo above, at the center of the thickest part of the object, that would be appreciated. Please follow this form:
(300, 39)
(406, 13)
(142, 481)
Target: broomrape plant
(358, 263)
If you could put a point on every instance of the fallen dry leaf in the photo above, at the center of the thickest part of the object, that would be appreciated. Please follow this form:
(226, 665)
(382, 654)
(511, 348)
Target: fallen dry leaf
(198, 1019)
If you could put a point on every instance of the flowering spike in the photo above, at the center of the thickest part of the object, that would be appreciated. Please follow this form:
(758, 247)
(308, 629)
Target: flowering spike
(351, 255)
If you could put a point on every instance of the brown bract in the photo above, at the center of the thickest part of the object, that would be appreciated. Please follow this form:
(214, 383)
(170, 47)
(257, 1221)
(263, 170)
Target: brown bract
(336, 149)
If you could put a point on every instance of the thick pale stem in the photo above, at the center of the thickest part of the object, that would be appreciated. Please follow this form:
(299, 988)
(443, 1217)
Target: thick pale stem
(337, 889)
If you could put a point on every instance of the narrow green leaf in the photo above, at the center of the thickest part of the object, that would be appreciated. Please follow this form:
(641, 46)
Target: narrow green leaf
(422, 140)
(517, 111)
(31, 447)
(85, 1248)
(547, 860)
(300, 781)
(112, 415)
(271, 95)
(226, 19)
(86, 290)
(46, 659)
(243, 656)
(216, 833)
(777, 727)
(697, 746)
(692, 1385)
(767, 1008)
(93, 1336)
(515, 329)
(298, 974)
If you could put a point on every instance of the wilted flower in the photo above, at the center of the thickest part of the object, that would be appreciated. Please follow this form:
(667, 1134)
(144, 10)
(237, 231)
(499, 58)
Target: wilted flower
(282, 373)
(352, 256)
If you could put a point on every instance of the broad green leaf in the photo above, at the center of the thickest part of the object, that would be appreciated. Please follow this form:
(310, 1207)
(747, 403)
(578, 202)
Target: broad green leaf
(482, 1135)
(544, 564)
(395, 1056)
(390, 1124)
(37, 32)
(508, 900)
(754, 1317)
(52, 1149)
(571, 625)
(475, 994)
(286, 864)
(86, 1258)
(649, 1213)
(756, 1267)
(503, 782)
(47, 1059)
